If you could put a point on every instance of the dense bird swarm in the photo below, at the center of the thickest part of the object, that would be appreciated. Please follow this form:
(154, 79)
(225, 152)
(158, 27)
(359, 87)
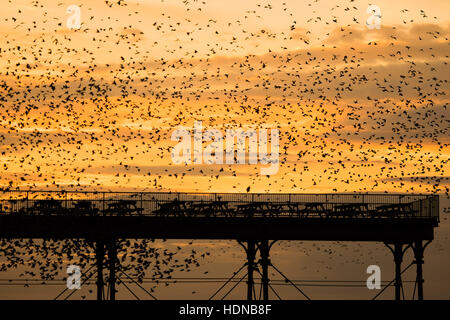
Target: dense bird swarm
(357, 109)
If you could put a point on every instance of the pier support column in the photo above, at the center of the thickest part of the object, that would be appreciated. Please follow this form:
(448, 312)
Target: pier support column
(398, 252)
(264, 252)
(99, 254)
(418, 255)
(112, 257)
(251, 252)
(398, 258)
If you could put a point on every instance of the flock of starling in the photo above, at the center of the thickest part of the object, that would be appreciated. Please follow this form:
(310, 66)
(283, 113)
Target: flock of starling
(357, 109)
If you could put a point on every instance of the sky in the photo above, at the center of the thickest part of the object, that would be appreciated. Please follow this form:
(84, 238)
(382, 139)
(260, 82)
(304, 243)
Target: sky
(94, 108)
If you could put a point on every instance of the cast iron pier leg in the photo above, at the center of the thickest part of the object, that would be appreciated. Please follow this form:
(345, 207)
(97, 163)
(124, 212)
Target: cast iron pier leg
(112, 255)
(264, 251)
(99, 252)
(398, 258)
(251, 252)
(418, 254)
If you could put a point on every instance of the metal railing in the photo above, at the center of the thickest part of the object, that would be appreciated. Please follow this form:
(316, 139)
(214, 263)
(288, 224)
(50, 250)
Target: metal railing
(362, 205)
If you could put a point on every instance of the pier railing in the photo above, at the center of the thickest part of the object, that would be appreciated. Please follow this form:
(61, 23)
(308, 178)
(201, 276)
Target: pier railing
(363, 205)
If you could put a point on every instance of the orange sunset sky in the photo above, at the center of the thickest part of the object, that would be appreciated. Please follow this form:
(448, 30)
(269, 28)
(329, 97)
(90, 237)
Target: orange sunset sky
(94, 108)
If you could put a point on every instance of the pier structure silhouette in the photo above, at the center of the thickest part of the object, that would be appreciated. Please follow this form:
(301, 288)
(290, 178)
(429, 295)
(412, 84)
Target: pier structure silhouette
(256, 221)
